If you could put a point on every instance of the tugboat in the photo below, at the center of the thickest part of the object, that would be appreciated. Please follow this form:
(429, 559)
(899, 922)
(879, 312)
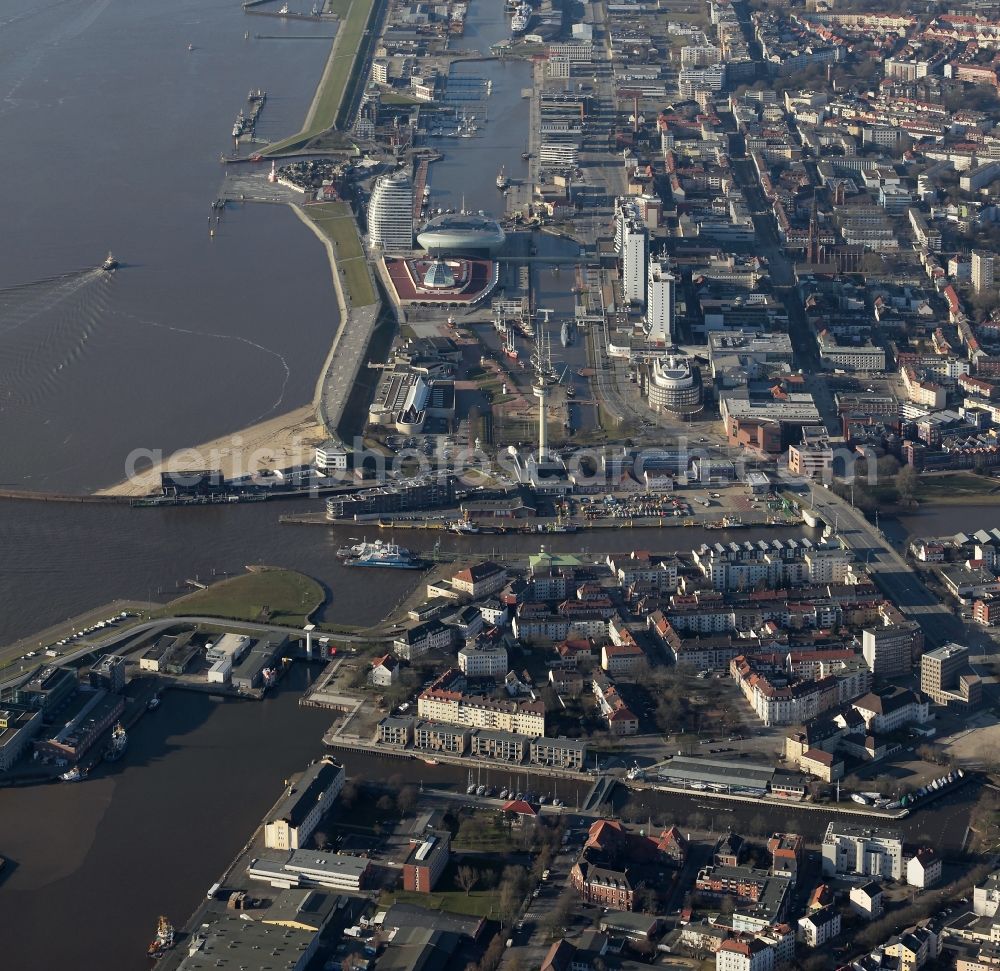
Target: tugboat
(76, 774)
(163, 941)
(502, 182)
(110, 263)
(116, 747)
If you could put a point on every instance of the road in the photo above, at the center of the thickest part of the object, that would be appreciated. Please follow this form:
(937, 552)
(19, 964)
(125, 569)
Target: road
(893, 575)
(122, 641)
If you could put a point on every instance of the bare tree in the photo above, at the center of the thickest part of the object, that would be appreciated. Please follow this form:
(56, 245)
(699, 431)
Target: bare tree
(466, 878)
(407, 799)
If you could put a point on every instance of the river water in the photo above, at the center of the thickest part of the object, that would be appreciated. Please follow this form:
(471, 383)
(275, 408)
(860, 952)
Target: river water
(63, 558)
(150, 834)
(112, 136)
(192, 338)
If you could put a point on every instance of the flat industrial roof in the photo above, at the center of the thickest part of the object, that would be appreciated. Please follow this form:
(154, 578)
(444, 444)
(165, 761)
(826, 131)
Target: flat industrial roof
(718, 772)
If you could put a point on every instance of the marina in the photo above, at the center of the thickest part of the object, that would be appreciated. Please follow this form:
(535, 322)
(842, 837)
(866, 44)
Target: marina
(245, 126)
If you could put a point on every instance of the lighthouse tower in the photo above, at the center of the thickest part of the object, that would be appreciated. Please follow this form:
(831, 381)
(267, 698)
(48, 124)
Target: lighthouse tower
(272, 176)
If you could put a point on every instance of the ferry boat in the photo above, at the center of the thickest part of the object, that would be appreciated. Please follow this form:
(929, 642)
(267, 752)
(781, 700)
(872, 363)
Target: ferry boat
(110, 263)
(502, 182)
(388, 555)
(519, 22)
(116, 747)
(163, 941)
(567, 333)
(346, 552)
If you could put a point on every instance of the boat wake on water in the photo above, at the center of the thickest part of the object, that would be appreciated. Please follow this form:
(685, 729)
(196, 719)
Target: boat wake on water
(45, 327)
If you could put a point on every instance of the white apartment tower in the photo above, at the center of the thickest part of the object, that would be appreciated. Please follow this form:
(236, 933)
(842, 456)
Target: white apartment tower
(390, 213)
(632, 244)
(660, 285)
(982, 270)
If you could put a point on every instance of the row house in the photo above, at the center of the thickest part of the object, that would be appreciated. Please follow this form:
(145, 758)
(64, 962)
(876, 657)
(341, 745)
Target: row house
(395, 732)
(621, 719)
(559, 753)
(480, 580)
(436, 737)
(625, 658)
(777, 700)
(535, 622)
(743, 882)
(479, 711)
(639, 567)
(416, 641)
(500, 746)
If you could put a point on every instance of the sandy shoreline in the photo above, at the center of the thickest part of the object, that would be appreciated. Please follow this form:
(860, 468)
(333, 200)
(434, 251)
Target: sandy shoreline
(279, 442)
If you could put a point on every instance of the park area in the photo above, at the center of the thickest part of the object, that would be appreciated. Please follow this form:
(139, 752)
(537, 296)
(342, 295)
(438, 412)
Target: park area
(282, 597)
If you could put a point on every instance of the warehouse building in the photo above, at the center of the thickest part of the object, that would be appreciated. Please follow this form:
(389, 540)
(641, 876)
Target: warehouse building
(718, 775)
(295, 817)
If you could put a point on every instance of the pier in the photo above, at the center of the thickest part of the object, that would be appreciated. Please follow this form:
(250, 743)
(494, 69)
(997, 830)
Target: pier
(419, 184)
(245, 126)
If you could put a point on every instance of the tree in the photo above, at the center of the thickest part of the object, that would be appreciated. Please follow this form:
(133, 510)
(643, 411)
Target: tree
(542, 861)
(490, 961)
(559, 917)
(407, 799)
(349, 794)
(386, 804)
(509, 902)
(648, 900)
(906, 482)
(466, 878)
(887, 467)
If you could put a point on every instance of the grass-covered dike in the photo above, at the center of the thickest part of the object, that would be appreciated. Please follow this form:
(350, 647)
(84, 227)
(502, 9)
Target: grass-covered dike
(275, 596)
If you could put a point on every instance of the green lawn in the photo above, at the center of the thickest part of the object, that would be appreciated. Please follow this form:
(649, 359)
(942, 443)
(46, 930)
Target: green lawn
(958, 488)
(336, 221)
(479, 903)
(280, 596)
(336, 76)
(400, 99)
